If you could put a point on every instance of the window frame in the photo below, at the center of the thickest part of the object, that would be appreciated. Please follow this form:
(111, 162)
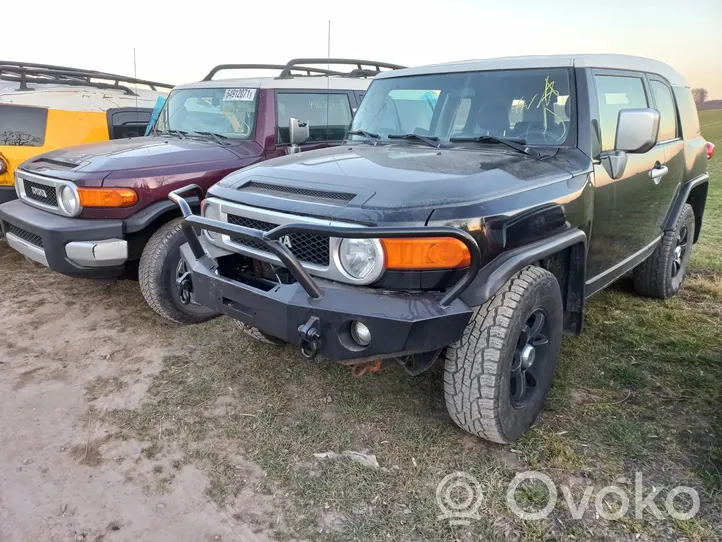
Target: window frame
(659, 79)
(353, 103)
(123, 110)
(616, 73)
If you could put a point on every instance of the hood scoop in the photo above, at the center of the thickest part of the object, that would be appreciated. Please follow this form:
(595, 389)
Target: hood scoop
(62, 164)
(275, 190)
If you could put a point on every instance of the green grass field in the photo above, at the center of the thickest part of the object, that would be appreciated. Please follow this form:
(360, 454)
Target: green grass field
(639, 391)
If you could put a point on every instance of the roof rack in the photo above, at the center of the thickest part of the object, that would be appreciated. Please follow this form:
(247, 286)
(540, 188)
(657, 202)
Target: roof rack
(309, 71)
(364, 68)
(48, 74)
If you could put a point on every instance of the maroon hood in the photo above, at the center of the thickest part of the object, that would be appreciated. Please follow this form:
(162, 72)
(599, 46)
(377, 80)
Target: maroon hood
(140, 157)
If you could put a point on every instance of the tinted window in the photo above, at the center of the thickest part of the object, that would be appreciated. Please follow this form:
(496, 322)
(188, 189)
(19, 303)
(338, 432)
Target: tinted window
(130, 123)
(529, 104)
(22, 126)
(615, 93)
(687, 112)
(667, 112)
(328, 115)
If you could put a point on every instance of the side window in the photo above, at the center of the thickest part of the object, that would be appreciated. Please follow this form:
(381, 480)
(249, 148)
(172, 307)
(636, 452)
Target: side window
(667, 111)
(128, 123)
(328, 115)
(687, 112)
(22, 126)
(615, 93)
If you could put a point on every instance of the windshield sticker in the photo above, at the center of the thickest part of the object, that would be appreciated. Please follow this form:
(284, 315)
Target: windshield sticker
(239, 95)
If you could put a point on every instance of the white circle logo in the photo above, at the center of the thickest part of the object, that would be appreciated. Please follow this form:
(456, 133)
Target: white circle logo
(459, 497)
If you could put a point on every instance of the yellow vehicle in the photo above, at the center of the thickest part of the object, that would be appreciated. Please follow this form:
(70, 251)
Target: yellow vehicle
(44, 107)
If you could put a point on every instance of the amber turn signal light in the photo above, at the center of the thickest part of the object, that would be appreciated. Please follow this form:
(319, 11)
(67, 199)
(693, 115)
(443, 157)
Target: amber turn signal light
(425, 253)
(107, 197)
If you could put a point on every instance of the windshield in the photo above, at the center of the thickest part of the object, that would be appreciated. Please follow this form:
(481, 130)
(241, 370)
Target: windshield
(225, 112)
(532, 105)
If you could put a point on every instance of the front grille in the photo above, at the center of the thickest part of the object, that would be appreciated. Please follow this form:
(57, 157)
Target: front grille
(26, 235)
(308, 248)
(40, 192)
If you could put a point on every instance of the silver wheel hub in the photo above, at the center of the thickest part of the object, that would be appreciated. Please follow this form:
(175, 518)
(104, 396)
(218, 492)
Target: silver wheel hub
(678, 254)
(528, 354)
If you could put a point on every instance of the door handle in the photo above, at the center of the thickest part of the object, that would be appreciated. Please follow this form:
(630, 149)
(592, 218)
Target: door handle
(658, 172)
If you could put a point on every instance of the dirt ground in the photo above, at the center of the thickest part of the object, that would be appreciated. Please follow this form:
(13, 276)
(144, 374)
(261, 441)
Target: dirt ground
(67, 357)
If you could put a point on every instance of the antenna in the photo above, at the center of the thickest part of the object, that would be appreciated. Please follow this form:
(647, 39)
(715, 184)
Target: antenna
(137, 111)
(328, 77)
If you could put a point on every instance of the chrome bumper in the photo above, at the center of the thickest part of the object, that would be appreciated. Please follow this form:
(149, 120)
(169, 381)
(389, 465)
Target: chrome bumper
(103, 253)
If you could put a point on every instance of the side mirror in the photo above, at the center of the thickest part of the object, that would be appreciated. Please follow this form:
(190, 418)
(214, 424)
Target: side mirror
(297, 133)
(637, 130)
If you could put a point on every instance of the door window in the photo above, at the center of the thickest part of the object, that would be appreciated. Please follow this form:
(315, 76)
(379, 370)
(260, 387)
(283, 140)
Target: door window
(615, 93)
(328, 115)
(128, 123)
(22, 126)
(667, 113)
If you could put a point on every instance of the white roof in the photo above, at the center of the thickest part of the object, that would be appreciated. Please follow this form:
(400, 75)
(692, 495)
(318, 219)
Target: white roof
(613, 62)
(303, 82)
(70, 98)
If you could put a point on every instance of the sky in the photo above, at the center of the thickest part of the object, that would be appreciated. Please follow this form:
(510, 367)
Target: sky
(180, 41)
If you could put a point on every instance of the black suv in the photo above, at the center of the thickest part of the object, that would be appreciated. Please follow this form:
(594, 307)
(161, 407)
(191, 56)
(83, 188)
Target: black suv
(472, 210)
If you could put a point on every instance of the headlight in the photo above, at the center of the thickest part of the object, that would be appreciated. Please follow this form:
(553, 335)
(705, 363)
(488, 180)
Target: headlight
(361, 258)
(3, 166)
(214, 213)
(69, 200)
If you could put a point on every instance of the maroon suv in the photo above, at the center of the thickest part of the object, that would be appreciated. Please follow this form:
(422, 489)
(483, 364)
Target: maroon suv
(102, 210)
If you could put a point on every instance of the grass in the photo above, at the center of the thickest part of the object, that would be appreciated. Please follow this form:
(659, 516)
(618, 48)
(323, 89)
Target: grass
(638, 391)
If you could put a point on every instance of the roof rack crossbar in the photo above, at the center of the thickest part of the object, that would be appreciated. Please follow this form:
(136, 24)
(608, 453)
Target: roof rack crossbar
(307, 70)
(73, 83)
(362, 66)
(25, 72)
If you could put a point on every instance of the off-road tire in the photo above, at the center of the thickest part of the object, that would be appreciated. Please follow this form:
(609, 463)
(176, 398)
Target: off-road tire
(158, 263)
(259, 335)
(653, 277)
(477, 368)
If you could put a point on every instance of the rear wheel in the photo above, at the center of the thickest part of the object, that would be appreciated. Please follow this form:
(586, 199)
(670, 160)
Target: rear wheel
(497, 376)
(160, 267)
(661, 275)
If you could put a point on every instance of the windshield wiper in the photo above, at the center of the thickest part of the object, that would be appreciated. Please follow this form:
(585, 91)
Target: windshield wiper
(219, 138)
(180, 134)
(373, 138)
(516, 144)
(431, 141)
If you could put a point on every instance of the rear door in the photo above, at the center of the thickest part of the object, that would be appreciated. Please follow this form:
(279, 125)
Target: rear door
(670, 141)
(626, 210)
(328, 115)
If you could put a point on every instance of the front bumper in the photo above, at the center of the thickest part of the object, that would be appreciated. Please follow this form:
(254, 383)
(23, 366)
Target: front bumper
(317, 315)
(71, 246)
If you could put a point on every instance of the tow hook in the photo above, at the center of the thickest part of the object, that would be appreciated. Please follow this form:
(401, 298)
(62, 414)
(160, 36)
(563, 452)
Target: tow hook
(185, 287)
(309, 338)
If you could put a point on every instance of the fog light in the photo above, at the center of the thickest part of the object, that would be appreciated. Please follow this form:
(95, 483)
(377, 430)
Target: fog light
(360, 334)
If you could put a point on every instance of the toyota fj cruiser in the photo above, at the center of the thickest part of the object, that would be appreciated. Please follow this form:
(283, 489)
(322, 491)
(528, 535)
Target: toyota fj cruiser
(472, 210)
(102, 210)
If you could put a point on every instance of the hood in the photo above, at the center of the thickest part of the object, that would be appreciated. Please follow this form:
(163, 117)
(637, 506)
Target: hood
(151, 154)
(404, 176)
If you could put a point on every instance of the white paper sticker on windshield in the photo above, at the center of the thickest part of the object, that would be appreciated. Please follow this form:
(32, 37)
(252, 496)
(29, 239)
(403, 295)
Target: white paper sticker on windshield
(239, 95)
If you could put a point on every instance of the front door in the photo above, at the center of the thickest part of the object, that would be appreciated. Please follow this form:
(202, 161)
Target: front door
(328, 115)
(626, 210)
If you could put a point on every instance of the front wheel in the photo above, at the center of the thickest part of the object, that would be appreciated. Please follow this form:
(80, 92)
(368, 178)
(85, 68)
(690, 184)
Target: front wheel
(497, 376)
(160, 267)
